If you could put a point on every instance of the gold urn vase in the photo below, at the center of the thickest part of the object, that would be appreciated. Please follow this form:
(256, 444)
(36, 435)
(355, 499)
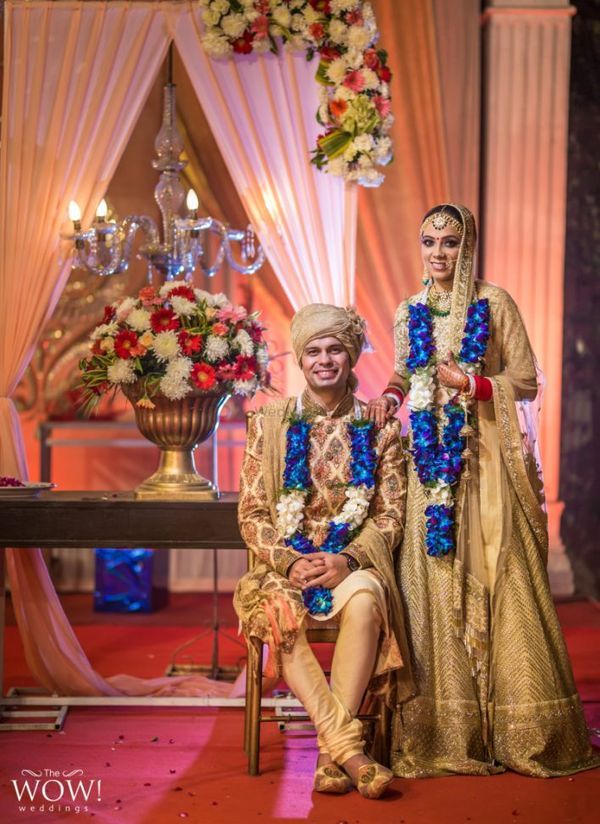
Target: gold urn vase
(177, 427)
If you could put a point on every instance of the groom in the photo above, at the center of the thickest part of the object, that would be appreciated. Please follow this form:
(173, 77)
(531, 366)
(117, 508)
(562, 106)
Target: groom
(322, 506)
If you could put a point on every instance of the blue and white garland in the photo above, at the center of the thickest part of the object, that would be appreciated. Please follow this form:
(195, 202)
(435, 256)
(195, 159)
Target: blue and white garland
(297, 486)
(439, 463)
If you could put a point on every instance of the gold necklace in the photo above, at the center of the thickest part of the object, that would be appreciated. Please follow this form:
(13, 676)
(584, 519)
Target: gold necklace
(440, 303)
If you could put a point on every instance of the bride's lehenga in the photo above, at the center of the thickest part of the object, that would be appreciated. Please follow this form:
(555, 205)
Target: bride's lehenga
(495, 688)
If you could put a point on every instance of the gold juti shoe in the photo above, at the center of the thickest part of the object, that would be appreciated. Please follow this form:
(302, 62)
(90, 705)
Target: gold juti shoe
(373, 780)
(330, 779)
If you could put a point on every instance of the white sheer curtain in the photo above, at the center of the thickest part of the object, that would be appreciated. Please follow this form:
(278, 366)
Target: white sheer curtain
(76, 75)
(261, 110)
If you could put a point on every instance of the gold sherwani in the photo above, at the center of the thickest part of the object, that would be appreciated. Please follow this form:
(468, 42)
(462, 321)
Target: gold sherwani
(494, 683)
(268, 605)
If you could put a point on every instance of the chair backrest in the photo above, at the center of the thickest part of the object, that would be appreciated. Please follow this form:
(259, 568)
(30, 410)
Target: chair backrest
(251, 557)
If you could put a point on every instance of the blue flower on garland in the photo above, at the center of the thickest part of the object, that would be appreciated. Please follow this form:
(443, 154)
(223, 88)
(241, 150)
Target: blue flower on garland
(440, 460)
(296, 475)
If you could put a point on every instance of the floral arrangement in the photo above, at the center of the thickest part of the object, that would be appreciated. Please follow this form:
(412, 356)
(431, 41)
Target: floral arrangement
(172, 341)
(297, 485)
(9, 481)
(355, 106)
(439, 462)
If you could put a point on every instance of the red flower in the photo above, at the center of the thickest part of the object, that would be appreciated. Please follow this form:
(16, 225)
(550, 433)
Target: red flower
(384, 74)
(260, 26)
(109, 314)
(163, 319)
(338, 107)
(354, 17)
(96, 349)
(203, 375)
(245, 367)
(371, 60)
(220, 329)
(226, 372)
(189, 343)
(383, 105)
(255, 330)
(355, 81)
(329, 53)
(183, 292)
(243, 45)
(149, 296)
(317, 31)
(324, 6)
(126, 344)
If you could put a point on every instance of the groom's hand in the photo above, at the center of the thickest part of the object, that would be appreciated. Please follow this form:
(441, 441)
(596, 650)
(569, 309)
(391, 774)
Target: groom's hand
(328, 570)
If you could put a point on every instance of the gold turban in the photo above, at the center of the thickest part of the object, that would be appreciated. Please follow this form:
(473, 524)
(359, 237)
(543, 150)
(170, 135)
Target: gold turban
(322, 320)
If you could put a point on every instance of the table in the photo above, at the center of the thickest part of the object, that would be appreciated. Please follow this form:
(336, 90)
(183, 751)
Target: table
(114, 519)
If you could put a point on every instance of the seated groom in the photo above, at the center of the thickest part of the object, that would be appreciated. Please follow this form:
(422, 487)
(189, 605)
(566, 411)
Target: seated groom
(322, 505)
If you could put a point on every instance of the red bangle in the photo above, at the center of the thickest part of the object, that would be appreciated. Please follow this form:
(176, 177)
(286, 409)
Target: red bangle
(483, 388)
(392, 390)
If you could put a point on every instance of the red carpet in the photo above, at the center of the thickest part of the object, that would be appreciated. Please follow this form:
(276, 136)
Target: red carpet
(168, 765)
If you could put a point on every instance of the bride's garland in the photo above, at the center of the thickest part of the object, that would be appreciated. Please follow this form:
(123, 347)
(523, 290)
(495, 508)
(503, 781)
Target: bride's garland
(297, 486)
(439, 463)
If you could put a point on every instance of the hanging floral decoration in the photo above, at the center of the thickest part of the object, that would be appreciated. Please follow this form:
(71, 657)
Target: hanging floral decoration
(354, 78)
(439, 460)
(172, 341)
(297, 486)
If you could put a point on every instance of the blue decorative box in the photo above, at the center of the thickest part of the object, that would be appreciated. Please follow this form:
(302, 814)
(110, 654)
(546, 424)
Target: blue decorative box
(131, 580)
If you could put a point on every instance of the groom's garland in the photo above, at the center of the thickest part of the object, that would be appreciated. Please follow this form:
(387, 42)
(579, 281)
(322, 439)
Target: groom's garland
(297, 486)
(439, 463)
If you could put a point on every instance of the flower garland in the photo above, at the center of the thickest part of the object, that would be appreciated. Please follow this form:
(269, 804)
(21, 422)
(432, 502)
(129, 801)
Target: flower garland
(297, 486)
(439, 463)
(353, 75)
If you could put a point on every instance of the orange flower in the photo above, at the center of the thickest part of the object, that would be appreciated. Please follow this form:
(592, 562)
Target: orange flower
(338, 108)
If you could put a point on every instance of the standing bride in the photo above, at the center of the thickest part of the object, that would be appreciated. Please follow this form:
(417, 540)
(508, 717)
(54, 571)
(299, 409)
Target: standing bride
(495, 688)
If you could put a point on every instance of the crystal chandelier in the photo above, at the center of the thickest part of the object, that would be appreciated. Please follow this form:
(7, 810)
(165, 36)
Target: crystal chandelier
(105, 248)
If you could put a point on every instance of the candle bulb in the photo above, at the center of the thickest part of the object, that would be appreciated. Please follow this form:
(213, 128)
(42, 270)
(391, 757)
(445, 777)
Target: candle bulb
(75, 215)
(192, 204)
(102, 211)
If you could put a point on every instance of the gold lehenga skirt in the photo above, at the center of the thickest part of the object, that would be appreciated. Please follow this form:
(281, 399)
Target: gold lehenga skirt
(495, 688)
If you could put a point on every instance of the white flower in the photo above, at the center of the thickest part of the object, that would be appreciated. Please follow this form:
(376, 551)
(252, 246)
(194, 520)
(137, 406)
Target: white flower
(248, 3)
(311, 15)
(182, 306)
(179, 368)
(168, 287)
(344, 93)
(441, 493)
(359, 37)
(336, 70)
(139, 320)
(244, 343)
(356, 507)
(370, 178)
(166, 345)
(350, 152)
(281, 15)
(298, 23)
(201, 295)
(421, 390)
(222, 6)
(210, 17)
(343, 5)
(364, 142)
(337, 167)
(218, 301)
(371, 80)
(121, 371)
(174, 385)
(125, 308)
(216, 44)
(354, 58)
(338, 31)
(245, 388)
(262, 356)
(290, 511)
(233, 25)
(216, 348)
(104, 329)
(295, 43)
(383, 151)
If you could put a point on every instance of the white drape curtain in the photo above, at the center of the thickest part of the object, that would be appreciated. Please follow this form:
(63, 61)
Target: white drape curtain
(261, 110)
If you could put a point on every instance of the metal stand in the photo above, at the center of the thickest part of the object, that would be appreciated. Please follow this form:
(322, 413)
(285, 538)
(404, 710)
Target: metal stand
(214, 669)
(55, 713)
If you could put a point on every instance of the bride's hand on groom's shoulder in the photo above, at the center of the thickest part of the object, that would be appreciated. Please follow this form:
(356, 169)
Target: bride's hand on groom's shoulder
(380, 410)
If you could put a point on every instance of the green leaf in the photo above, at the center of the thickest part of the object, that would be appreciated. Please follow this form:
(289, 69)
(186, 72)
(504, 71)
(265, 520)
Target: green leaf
(335, 143)
(321, 74)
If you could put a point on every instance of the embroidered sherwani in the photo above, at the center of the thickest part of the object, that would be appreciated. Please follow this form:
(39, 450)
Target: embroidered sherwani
(494, 683)
(268, 605)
